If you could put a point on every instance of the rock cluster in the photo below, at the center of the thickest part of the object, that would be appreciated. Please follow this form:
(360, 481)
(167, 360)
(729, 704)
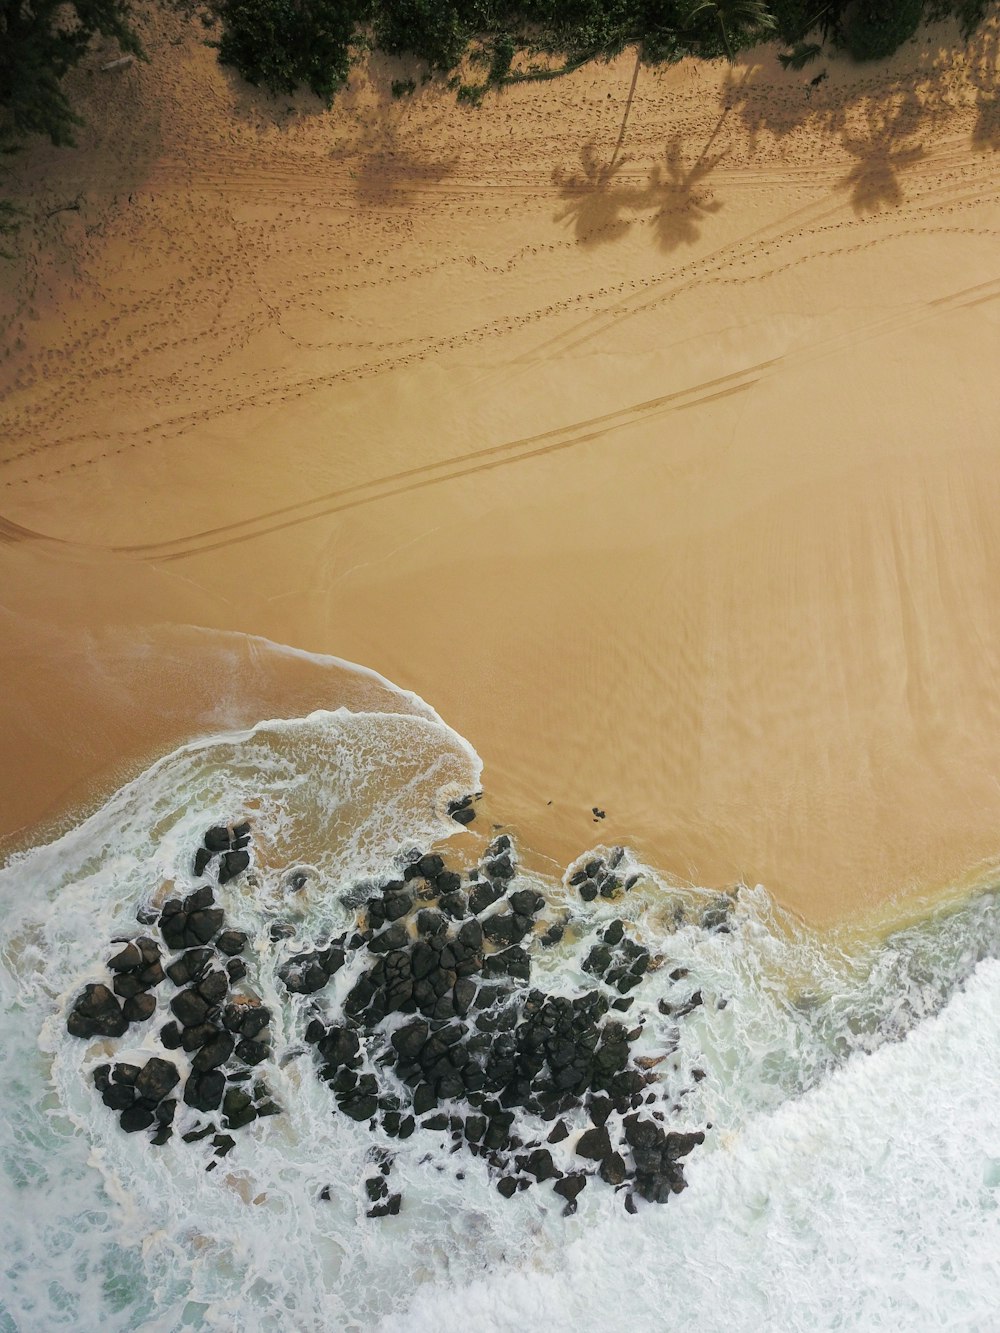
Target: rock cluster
(219, 1025)
(600, 877)
(442, 1031)
(423, 1018)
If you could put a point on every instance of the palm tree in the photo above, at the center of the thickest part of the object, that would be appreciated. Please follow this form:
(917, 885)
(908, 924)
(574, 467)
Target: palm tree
(735, 14)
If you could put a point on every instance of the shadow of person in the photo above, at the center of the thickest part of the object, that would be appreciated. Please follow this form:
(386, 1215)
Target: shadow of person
(874, 180)
(594, 204)
(681, 200)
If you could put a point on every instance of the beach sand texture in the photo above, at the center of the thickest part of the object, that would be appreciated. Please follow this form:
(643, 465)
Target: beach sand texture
(644, 426)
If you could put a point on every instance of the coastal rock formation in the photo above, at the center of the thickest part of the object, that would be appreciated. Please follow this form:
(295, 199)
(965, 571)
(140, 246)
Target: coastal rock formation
(439, 1028)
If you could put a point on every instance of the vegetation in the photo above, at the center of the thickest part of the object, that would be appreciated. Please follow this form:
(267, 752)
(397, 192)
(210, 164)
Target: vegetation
(40, 41)
(282, 45)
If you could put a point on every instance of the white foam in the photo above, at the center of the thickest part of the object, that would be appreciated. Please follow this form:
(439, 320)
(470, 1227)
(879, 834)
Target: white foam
(842, 1165)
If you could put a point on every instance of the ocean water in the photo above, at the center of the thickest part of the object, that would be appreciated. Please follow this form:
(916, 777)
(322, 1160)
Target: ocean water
(850, 1178)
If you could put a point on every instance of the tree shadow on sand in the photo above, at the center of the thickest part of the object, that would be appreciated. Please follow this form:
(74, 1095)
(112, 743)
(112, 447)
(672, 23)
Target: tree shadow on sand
(881, 155)
(594, 202)
(601, 206)
(679, 195)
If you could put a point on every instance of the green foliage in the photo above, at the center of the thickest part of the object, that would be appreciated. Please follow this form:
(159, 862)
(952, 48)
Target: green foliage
(437, 31)
(800, 55)
(874, 29)
(403, 87)
(282, 44)
(741, 22)
(40, 40)
(504, 49)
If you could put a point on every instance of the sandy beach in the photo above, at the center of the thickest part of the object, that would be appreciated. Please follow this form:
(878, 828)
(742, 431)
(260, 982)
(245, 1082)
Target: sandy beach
(643, 426)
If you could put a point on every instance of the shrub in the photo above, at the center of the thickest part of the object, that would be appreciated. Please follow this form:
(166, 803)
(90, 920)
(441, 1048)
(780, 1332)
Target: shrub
(281, 44)
(873, 29)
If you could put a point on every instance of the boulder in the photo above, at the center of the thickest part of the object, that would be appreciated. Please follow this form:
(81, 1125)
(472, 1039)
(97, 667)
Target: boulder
(96, 1013)
(214, 1053)
(190, 1007)
(233, 863)
(139, 1008)
(204, 1092)
(594, 1143)
(127, 959)
(218, 839)
(156, 1079)
(231, 942)
(134, 1118)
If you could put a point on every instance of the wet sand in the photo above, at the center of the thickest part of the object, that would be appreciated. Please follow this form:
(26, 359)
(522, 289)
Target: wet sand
(646, 431)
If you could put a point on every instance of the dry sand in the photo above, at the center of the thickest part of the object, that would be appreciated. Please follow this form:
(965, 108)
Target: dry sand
(652, 440)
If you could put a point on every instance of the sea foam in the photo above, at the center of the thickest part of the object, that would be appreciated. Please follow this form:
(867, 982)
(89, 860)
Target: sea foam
(849, 1179)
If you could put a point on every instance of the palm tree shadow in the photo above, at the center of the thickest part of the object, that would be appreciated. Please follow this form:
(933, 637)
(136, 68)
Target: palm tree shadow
(680, 197)
(986, 131)
(594, 204)
(874, 180)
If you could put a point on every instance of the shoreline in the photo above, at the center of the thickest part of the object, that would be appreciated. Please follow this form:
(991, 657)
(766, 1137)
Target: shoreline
(665, 480)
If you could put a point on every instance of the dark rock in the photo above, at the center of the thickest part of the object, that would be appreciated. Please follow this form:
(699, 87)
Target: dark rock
(214, 1053)
(170, 1036)
(203, 897)
(126, 960)
(165, 1112)
(388, 1209)
(139, 1008)
(612, 1169)
(280, 930)
(395, 937)
(134, 1118)
(553, 935)
(409, 1040)
(156, 1079)
(527, 902)
(397, 904)
(424, 1099)
(213, 987)
(513, 962)
(233, 864)
(205, 924)
(558, 1132)
(538, 1164)
(570, 1186)
(614, 933)
(152, 974)
(190, 1007)
(470, 936)
(96, 1013)
(454, 905)
(117, 1096)
(241, 833)
(127, 984)
(204, 1091)
(194, 1037)
(231, 942)
(201, 859)
(430, 923)
(359, 1106)
(218, 839)
(464, 994)
(506, 928)
(236, 969)
(500, 867)
(594, 1143)
(223, 1144)
(475, 1127)
(484, 895)
(588, 890)
(173, 928)
(251, 1052)
(189, 966)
